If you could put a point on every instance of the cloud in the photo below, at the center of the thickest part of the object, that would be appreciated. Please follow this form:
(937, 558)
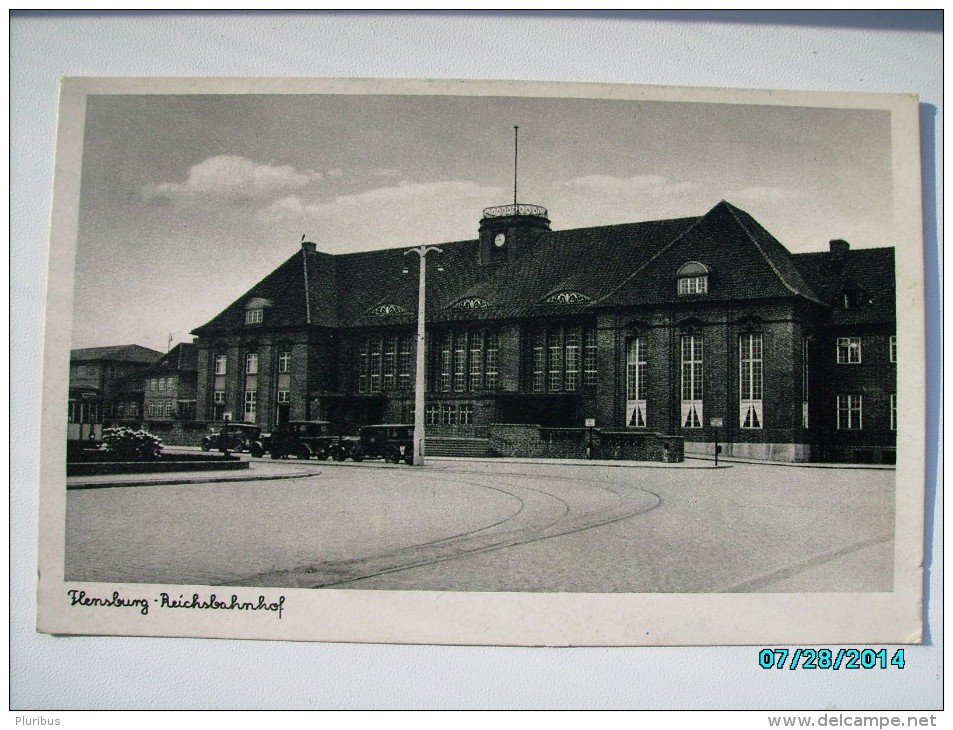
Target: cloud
(384, 217)
(231, 177)
(594, 200)
(765, 194)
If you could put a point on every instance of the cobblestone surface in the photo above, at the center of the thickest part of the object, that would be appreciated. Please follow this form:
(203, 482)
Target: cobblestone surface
(494, 526)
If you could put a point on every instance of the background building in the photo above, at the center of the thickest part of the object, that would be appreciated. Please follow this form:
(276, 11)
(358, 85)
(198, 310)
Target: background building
(668, 327)
(107, 382)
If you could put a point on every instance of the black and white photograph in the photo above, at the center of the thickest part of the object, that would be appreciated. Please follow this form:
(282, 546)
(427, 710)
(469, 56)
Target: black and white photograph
(512, 343)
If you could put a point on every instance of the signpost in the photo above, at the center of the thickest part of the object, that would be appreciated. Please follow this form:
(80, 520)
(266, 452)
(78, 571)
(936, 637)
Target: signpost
(590, 424)
(717, 423)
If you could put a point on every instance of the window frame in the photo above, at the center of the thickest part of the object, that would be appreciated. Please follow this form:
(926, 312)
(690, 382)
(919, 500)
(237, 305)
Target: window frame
(846, 350)
(849, 408)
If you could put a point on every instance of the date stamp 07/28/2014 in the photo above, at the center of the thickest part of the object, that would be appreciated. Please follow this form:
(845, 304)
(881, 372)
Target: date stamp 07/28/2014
(843, 658)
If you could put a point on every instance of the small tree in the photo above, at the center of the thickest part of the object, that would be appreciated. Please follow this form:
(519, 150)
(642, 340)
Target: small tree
(128, 444)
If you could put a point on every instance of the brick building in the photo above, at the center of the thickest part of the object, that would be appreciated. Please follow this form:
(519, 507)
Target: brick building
(170, 385)
(656, 327)
(111, 378)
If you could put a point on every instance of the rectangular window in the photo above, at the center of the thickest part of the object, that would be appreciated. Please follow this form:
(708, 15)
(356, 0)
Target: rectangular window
(446, 363)
(362, 367)
(284, 362)
(693, 285)
(893, 411)
(539, 362)
(751, 401)
(153, 408)
(251, 405)
(573, 357)
(254, 316)
(153, 383)
(492, 359)
(251, 363)
(465, 413)
(635, 407)
(460, 362)
(187, 410)
(476, 361)
(221, 364)
(284, 396)
(219, 396)
(849, 412)
(449, 414)
(554, 381)
(168, 409)
(692, 379)
(848, 350)
(590, 360)
(161, 383)
(433, 414)
(390, 363)
(375, 364)
(893, 348)
(403, 364)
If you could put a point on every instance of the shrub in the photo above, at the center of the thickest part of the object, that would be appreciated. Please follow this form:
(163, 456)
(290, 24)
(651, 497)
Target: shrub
(134, 445)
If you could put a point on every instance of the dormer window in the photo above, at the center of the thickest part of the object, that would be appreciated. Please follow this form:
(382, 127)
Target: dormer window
(692, 278)
(255, 310)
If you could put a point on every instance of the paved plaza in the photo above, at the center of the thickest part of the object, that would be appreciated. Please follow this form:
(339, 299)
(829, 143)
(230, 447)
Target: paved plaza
(493, 526)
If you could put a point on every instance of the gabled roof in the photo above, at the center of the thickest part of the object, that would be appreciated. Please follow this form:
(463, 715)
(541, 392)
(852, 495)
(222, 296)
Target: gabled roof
(745, 261)
(300, 291)
(632, 264)
(865, 275)
(181, 358)
(116, 353)
(589, 261)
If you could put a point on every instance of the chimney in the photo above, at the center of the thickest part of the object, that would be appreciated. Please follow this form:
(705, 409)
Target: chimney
(839, 249)
(309, 246)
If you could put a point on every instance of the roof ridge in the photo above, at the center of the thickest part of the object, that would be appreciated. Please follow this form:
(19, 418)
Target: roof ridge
(649, 260)
(808, 294)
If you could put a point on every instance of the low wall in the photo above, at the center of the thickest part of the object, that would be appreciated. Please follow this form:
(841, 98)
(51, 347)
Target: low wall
(528, 440)
(160, 466)
(795, 453)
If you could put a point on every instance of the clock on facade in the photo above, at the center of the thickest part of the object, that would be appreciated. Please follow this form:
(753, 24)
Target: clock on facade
(500, 239)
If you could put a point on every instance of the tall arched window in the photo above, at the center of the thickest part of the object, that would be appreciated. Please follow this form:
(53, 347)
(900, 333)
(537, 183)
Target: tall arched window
(692, 278)
(635, 383)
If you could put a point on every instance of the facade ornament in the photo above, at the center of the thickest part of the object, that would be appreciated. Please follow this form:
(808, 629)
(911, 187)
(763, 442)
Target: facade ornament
(567, 297)
(382, 310)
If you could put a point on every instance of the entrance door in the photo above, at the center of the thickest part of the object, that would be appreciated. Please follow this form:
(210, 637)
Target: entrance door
(283, 414)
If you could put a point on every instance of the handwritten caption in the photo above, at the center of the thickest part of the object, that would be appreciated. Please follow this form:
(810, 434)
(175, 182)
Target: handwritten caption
(165, 600)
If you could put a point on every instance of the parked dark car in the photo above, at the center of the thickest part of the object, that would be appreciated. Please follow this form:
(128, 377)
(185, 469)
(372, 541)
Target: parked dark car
(302, 439)
(241, 437)
(393, 442)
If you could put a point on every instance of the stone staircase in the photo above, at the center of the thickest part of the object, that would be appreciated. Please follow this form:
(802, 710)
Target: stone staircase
(470, 448)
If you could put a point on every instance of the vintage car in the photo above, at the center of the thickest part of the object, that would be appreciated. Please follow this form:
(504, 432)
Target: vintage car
(393, 442)
(241, 437)
(302, 439)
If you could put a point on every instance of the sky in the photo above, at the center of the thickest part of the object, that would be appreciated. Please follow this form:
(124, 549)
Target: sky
(187, 201)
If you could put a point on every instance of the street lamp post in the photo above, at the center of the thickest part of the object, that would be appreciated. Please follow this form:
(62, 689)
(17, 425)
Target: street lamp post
(422, 252)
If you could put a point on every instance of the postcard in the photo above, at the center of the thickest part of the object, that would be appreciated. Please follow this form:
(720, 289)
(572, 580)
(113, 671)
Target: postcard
(483, 363)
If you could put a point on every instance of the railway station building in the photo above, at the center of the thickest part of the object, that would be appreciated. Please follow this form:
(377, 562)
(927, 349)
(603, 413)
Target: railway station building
(688, 328)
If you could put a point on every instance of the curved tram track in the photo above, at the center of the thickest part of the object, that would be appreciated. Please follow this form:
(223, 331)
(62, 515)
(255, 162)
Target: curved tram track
(541, 514)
